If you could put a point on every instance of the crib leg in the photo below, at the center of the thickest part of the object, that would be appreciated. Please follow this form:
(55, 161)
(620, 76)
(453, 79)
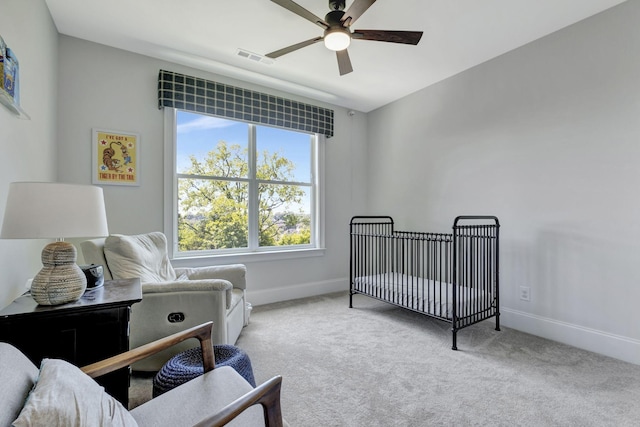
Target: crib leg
(497, 321)
(350, 299)
(454, 333)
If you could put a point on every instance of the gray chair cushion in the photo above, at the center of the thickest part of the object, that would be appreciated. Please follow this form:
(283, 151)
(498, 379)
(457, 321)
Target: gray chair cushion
(17, 377)
(185, 405)
(142, 255)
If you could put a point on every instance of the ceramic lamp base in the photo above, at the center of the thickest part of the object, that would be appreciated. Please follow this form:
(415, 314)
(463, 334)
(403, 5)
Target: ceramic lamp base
(60, 280)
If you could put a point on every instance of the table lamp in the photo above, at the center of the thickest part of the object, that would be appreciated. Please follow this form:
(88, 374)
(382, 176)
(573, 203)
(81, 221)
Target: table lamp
(51, 210)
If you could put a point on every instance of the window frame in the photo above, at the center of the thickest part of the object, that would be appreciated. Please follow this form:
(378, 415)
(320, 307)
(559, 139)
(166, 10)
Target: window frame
(315, 248)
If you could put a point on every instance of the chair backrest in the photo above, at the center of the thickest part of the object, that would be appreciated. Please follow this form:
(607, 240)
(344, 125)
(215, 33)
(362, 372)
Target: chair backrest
(17, 376)
(139, 255)
(93, 253)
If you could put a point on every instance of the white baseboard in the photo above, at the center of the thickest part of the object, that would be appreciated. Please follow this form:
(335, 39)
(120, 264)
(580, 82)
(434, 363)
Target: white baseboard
(304, 290)
(616, 346)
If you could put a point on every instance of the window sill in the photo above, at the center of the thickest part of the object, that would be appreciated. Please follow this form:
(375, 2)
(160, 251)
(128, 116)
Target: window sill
(199, 261)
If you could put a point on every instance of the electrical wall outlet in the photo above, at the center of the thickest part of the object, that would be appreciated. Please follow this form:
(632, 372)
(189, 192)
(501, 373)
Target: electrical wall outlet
(525, 293)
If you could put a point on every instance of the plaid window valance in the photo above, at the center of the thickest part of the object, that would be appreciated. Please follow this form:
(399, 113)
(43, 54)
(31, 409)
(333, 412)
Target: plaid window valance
(209, 97)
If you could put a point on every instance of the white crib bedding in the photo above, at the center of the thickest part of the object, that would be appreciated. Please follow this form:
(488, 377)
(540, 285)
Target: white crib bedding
(425, 295)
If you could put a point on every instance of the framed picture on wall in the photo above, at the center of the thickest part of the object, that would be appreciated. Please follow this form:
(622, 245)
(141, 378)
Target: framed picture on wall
(115, 157)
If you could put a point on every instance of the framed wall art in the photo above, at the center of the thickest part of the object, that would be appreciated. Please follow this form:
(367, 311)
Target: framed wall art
(115, 157)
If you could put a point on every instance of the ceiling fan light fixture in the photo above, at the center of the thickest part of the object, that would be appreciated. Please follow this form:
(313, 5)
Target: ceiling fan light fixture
(337, 39)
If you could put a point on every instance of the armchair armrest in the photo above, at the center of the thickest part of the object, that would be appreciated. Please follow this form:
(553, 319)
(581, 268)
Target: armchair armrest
(234, 273)
(187, 285)
(181, 286)
(201, 332)
(267, 394)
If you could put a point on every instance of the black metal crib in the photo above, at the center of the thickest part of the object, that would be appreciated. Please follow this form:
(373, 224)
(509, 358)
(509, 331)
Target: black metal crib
(451, 277)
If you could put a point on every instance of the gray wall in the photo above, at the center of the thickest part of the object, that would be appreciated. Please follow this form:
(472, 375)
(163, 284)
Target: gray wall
(113, 89)
(29, 149)
(546, 137)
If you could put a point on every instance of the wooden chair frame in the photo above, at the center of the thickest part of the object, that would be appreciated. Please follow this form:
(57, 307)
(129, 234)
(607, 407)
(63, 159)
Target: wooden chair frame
(267, 394)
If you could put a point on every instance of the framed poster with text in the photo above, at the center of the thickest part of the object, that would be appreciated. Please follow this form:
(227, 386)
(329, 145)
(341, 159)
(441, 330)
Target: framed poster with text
(115, 157)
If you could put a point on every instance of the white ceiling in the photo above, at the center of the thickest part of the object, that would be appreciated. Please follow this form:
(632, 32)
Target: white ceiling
(206, 34)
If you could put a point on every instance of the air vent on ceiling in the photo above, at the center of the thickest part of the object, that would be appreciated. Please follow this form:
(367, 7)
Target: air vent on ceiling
(256, 57)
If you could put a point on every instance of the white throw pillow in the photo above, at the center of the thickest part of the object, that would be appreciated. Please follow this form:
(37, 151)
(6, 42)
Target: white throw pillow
(65, 396)
(143, 256)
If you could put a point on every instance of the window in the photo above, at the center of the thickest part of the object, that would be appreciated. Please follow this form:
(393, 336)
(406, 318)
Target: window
(238, 187)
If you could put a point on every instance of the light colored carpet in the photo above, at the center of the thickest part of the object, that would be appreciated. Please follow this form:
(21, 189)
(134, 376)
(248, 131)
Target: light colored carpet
(377, 365)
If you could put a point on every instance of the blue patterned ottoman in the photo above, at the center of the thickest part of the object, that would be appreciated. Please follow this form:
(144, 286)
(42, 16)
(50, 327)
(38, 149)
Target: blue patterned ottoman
(187, 365)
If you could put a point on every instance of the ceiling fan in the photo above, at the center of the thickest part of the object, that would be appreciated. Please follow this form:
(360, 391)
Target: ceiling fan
(337, 30)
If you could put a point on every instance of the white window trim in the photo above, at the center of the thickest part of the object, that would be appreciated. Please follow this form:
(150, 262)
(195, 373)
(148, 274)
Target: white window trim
(171, 211)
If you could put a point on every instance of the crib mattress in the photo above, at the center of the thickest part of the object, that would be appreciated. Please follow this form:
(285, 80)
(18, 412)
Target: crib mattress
(420, 294)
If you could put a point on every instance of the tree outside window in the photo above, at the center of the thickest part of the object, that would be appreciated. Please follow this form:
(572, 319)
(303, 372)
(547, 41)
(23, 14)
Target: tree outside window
(242, 186)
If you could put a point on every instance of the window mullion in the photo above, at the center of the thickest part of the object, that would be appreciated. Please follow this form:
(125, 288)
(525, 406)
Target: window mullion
(253, 190)
(314, 190)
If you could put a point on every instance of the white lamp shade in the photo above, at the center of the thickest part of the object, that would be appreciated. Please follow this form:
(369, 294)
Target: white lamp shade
(337, 39)
(51, 210)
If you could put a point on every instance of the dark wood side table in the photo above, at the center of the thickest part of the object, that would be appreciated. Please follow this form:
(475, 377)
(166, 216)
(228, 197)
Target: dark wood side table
(91, 329)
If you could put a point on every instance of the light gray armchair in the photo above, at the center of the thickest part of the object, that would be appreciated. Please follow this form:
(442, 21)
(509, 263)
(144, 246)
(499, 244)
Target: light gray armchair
(62, 394)
(172, 299)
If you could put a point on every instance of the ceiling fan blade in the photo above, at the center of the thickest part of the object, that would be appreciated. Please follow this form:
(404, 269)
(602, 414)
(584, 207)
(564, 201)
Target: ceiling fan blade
(357, 8)
(406, 37)
(293, 47)
(344, 63)
(301, 11)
